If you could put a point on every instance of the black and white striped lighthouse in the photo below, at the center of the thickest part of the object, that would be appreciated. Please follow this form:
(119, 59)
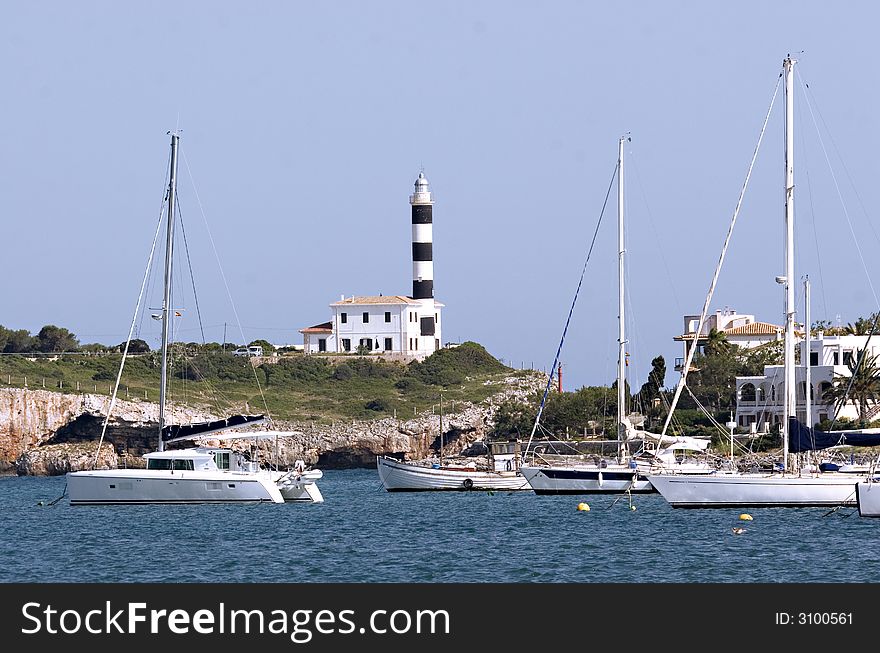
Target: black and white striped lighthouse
(422, 239)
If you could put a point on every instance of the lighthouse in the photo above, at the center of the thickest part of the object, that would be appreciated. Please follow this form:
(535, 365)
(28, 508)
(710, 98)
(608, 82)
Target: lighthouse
(393, 326)
(422, 240)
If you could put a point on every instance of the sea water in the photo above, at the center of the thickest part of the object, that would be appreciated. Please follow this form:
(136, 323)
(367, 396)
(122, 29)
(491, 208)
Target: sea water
(363, 534)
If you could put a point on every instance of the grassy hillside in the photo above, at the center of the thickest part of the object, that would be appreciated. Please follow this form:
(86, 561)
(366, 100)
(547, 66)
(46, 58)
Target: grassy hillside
(296, 387)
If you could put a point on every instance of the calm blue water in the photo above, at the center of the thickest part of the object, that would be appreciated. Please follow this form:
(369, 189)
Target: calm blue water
(364, 534)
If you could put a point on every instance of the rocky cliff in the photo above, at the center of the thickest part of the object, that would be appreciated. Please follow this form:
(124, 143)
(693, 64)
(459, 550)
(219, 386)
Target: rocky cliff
(43, 432)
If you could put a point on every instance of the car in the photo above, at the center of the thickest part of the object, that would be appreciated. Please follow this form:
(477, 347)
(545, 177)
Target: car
(253, 350)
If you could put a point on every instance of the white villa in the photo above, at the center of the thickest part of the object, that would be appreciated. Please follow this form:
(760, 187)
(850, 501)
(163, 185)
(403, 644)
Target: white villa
(391, 324)
(739, 329)
(759, 399)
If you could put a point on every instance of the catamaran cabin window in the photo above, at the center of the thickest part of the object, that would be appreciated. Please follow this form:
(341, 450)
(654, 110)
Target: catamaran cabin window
(159, 463)
(222, 459)
(184, 465)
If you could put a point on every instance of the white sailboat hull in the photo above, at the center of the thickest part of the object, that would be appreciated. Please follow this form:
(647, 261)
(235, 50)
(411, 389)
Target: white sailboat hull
(140, 486)
(585, 479)
(397, 476)
(868, 498)
(755, 490)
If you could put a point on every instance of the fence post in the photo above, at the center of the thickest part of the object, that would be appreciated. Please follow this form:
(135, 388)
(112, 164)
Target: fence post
(44, 381)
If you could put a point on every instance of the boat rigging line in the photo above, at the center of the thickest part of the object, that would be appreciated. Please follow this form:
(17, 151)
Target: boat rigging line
(137, 309)
(571, 309)
(699, 329)
(225, 282)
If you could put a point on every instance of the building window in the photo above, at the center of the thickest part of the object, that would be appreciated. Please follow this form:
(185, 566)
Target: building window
(387, 316)
(814, 358)
(835, 358)
(436, 344)
(366, 317)
(322, 344)
(387, 344)
(436, 317)
(367, 343)
(346, 344)
(343, 317)
(848, 357)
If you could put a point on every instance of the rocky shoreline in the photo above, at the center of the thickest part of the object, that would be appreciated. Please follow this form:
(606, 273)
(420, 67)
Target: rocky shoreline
(50, 433)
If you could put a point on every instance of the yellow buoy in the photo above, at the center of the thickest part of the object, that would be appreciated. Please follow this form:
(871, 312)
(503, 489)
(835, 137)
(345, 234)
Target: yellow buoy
(583, 507)
(745, 517)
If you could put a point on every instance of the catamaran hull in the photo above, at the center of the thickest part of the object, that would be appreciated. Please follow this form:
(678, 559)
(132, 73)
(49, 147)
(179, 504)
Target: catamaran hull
(868, 498)
(755, 490)
(585, 480)
(133, 487)
(300, 489)
(406, 477)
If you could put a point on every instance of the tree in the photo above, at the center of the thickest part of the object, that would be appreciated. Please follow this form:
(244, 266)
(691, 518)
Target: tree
(863, 384)
(514, 419)
(136, 346)
(717, 344)
(861, 327)
(19, 341)
(52, 338)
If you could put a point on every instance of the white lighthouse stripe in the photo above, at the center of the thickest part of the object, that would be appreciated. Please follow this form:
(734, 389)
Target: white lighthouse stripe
(423, 270)
(422, 233)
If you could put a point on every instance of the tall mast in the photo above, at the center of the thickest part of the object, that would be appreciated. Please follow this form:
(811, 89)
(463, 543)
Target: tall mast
(621, 322)
(166, 301)
(441, 429)
(788, 67)
(807, 364)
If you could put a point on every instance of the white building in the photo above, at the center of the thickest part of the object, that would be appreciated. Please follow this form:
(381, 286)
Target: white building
(739, 329)
(392, 325)
(759, 399)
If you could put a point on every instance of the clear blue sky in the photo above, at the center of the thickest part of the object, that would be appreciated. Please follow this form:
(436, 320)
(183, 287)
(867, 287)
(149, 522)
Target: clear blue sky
(305, 125)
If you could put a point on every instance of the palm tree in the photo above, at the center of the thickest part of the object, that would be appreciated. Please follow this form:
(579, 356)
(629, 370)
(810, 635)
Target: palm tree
(861, 327)
(717, 343)
(861, 386)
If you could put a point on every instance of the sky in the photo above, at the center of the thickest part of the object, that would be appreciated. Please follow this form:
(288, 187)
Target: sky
(304, 126)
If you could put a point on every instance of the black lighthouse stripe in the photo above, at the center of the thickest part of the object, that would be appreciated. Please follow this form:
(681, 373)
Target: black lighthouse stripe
(421, 214)
(423, 289)
(423, 251)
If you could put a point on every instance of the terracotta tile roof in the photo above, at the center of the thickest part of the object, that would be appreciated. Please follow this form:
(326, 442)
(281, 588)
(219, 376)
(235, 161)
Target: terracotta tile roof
(381, 299)
(326, 327)
(754, 329)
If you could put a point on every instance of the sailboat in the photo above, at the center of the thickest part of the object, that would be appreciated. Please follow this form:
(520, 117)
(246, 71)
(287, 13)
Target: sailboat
(501, 472)
(790, 487)
(198, 474)
(625, 473)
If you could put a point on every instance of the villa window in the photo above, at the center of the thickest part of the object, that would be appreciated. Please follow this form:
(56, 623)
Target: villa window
(814, 358)
(387, 316)
(848, 357)
(346, 344)
(387, 344)
(343, 317)
(366, 317)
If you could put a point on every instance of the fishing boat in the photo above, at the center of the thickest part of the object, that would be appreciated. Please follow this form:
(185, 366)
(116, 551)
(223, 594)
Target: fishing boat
(791, 485)
(198, 474)
(627, 472)
(501, 470)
